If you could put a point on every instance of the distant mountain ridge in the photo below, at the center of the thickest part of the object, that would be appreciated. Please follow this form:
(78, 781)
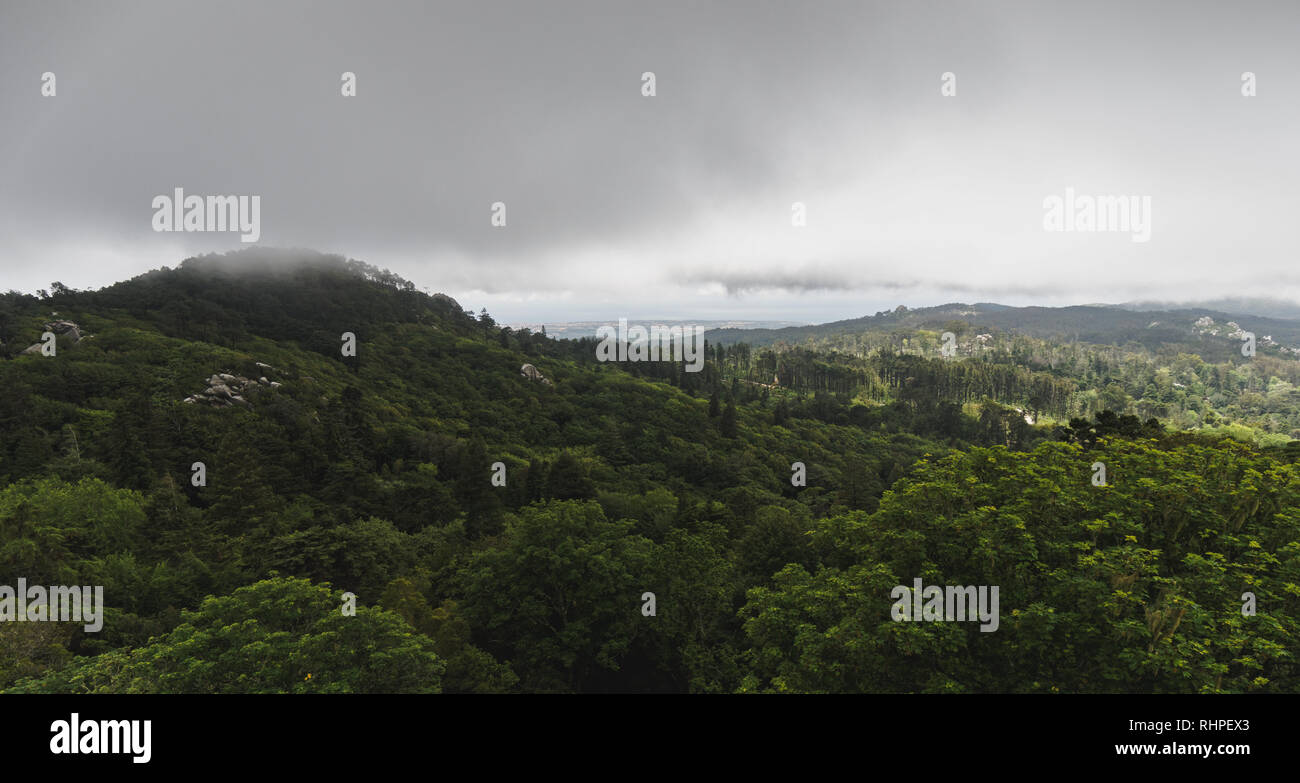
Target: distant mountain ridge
(1261, 307)
(1097, 324)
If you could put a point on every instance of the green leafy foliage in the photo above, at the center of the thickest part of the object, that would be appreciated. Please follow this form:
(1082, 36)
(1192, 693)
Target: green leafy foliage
(275, 636)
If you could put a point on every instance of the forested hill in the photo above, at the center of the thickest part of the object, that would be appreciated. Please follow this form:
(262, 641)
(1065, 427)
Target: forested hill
(200, 444)
(284, 295)
(1094, 324)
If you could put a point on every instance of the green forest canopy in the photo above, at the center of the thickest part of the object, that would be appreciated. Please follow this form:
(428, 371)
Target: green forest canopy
(370, 475)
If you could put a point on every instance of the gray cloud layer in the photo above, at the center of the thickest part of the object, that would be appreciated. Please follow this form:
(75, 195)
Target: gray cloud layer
(677, 205)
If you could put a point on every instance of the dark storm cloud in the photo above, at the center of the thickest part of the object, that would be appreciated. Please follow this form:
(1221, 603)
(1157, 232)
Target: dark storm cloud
(814, 279)
(459, 105)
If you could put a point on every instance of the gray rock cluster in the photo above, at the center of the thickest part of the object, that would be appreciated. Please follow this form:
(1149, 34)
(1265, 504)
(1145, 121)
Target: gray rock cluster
(226, 390)
(533, 374)
(66, 329)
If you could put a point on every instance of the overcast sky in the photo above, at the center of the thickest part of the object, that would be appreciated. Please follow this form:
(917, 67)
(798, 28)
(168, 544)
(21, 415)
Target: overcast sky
(677, 205)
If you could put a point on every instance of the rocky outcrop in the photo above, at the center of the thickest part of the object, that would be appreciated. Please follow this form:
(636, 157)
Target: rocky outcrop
(226, 390)
(65, 329)
(533, 374)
